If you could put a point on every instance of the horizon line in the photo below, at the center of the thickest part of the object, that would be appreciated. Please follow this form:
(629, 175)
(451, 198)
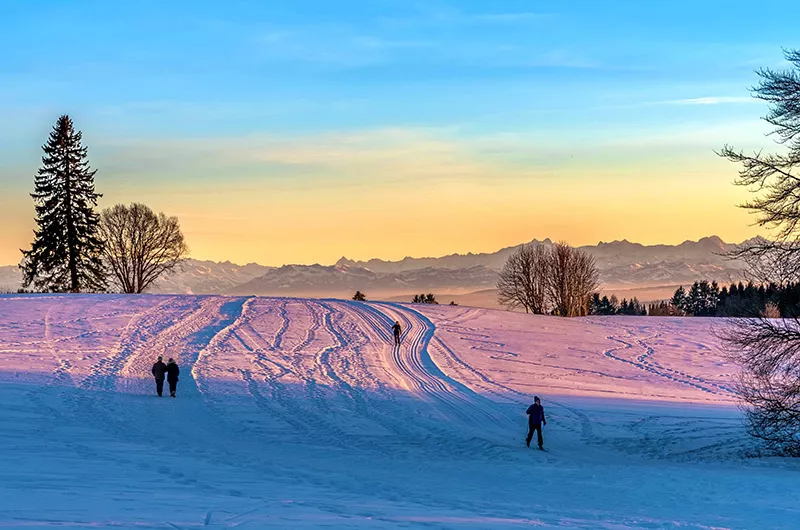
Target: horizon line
(547, 239)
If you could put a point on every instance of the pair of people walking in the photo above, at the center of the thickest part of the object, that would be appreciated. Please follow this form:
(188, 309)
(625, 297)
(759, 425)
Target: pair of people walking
(170, 372)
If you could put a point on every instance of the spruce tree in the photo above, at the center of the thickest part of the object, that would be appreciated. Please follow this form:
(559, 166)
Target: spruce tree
(65, 254)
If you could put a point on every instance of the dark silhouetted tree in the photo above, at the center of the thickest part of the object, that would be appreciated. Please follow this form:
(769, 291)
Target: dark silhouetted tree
(65, 255)
(523, 279)
(679, 298)
(359, 296)
(768, 349)
(559, 279)
(663, 308)
(632, 308)
(140, 246)
(604, 305)
(572, 278)
(424, 299)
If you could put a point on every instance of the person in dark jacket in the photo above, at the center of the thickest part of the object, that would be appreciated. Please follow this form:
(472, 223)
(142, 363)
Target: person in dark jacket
(396, 329)
(159, 369)
(172, 376)
(535, 421)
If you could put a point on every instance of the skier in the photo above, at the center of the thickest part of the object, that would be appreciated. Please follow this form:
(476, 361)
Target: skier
(159, 369)
(535, 421)
(172, 376)
(396, 329)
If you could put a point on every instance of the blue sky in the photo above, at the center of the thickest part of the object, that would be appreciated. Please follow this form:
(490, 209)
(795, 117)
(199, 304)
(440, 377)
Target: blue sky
(227, 99)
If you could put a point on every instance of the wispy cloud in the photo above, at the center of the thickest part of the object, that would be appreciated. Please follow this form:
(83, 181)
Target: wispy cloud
(382, 43)
(501, 18)
(439, 15)
(430, 35)
(390, 155)
(710, 100)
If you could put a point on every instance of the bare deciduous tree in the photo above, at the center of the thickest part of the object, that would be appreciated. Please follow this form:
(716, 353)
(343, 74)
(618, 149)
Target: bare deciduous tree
(768, 349)
(523, 279)
(572, 280)
(769, 261)
(539, 279)
(140, 245)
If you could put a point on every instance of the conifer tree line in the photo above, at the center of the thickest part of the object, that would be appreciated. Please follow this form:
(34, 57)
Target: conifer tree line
(708, 299)
(663, 308)
(612, 306)
(429, 298)
(75, 249)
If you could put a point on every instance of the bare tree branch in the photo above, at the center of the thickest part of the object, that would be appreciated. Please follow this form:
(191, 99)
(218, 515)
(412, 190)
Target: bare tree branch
(768, 349)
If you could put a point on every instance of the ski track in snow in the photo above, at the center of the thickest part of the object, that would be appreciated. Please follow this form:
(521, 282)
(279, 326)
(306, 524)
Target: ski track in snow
(644, 362)
(303, 413)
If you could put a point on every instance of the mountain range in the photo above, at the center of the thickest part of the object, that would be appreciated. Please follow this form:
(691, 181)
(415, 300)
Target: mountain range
(194, 276)
(625, 267)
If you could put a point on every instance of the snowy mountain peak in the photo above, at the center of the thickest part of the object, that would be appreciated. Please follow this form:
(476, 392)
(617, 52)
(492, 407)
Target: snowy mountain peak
(345, 262)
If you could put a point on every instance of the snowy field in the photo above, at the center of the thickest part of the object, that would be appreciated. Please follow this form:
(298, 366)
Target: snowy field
(299, 413)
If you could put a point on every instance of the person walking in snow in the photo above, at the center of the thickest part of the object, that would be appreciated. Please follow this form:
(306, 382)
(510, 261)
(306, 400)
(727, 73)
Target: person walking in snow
(396, 329)
(172, 376)
(536, 420)
(159, 369)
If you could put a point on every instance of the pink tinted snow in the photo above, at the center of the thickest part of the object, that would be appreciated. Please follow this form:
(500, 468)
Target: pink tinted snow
(653, 358)
(498, 354)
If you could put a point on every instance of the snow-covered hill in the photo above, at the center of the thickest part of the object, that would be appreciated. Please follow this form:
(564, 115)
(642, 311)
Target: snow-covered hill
(295, 413)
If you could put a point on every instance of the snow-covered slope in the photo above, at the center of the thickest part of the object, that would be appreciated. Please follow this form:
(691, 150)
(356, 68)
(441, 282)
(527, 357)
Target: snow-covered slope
(295, 413)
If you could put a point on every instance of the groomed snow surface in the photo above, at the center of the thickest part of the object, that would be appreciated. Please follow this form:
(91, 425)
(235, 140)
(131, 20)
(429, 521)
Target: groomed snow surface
(296, 413)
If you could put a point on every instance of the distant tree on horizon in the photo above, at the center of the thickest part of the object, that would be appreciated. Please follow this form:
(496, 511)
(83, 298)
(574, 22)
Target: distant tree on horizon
(65, 255)
(610, 306)
(523, 279)
(678, 299)
(601, 306)
(663, 308)
(558, 279)
(424, 299)
(572, 280)
(359, 297)
(701, 300)
(140, 246)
